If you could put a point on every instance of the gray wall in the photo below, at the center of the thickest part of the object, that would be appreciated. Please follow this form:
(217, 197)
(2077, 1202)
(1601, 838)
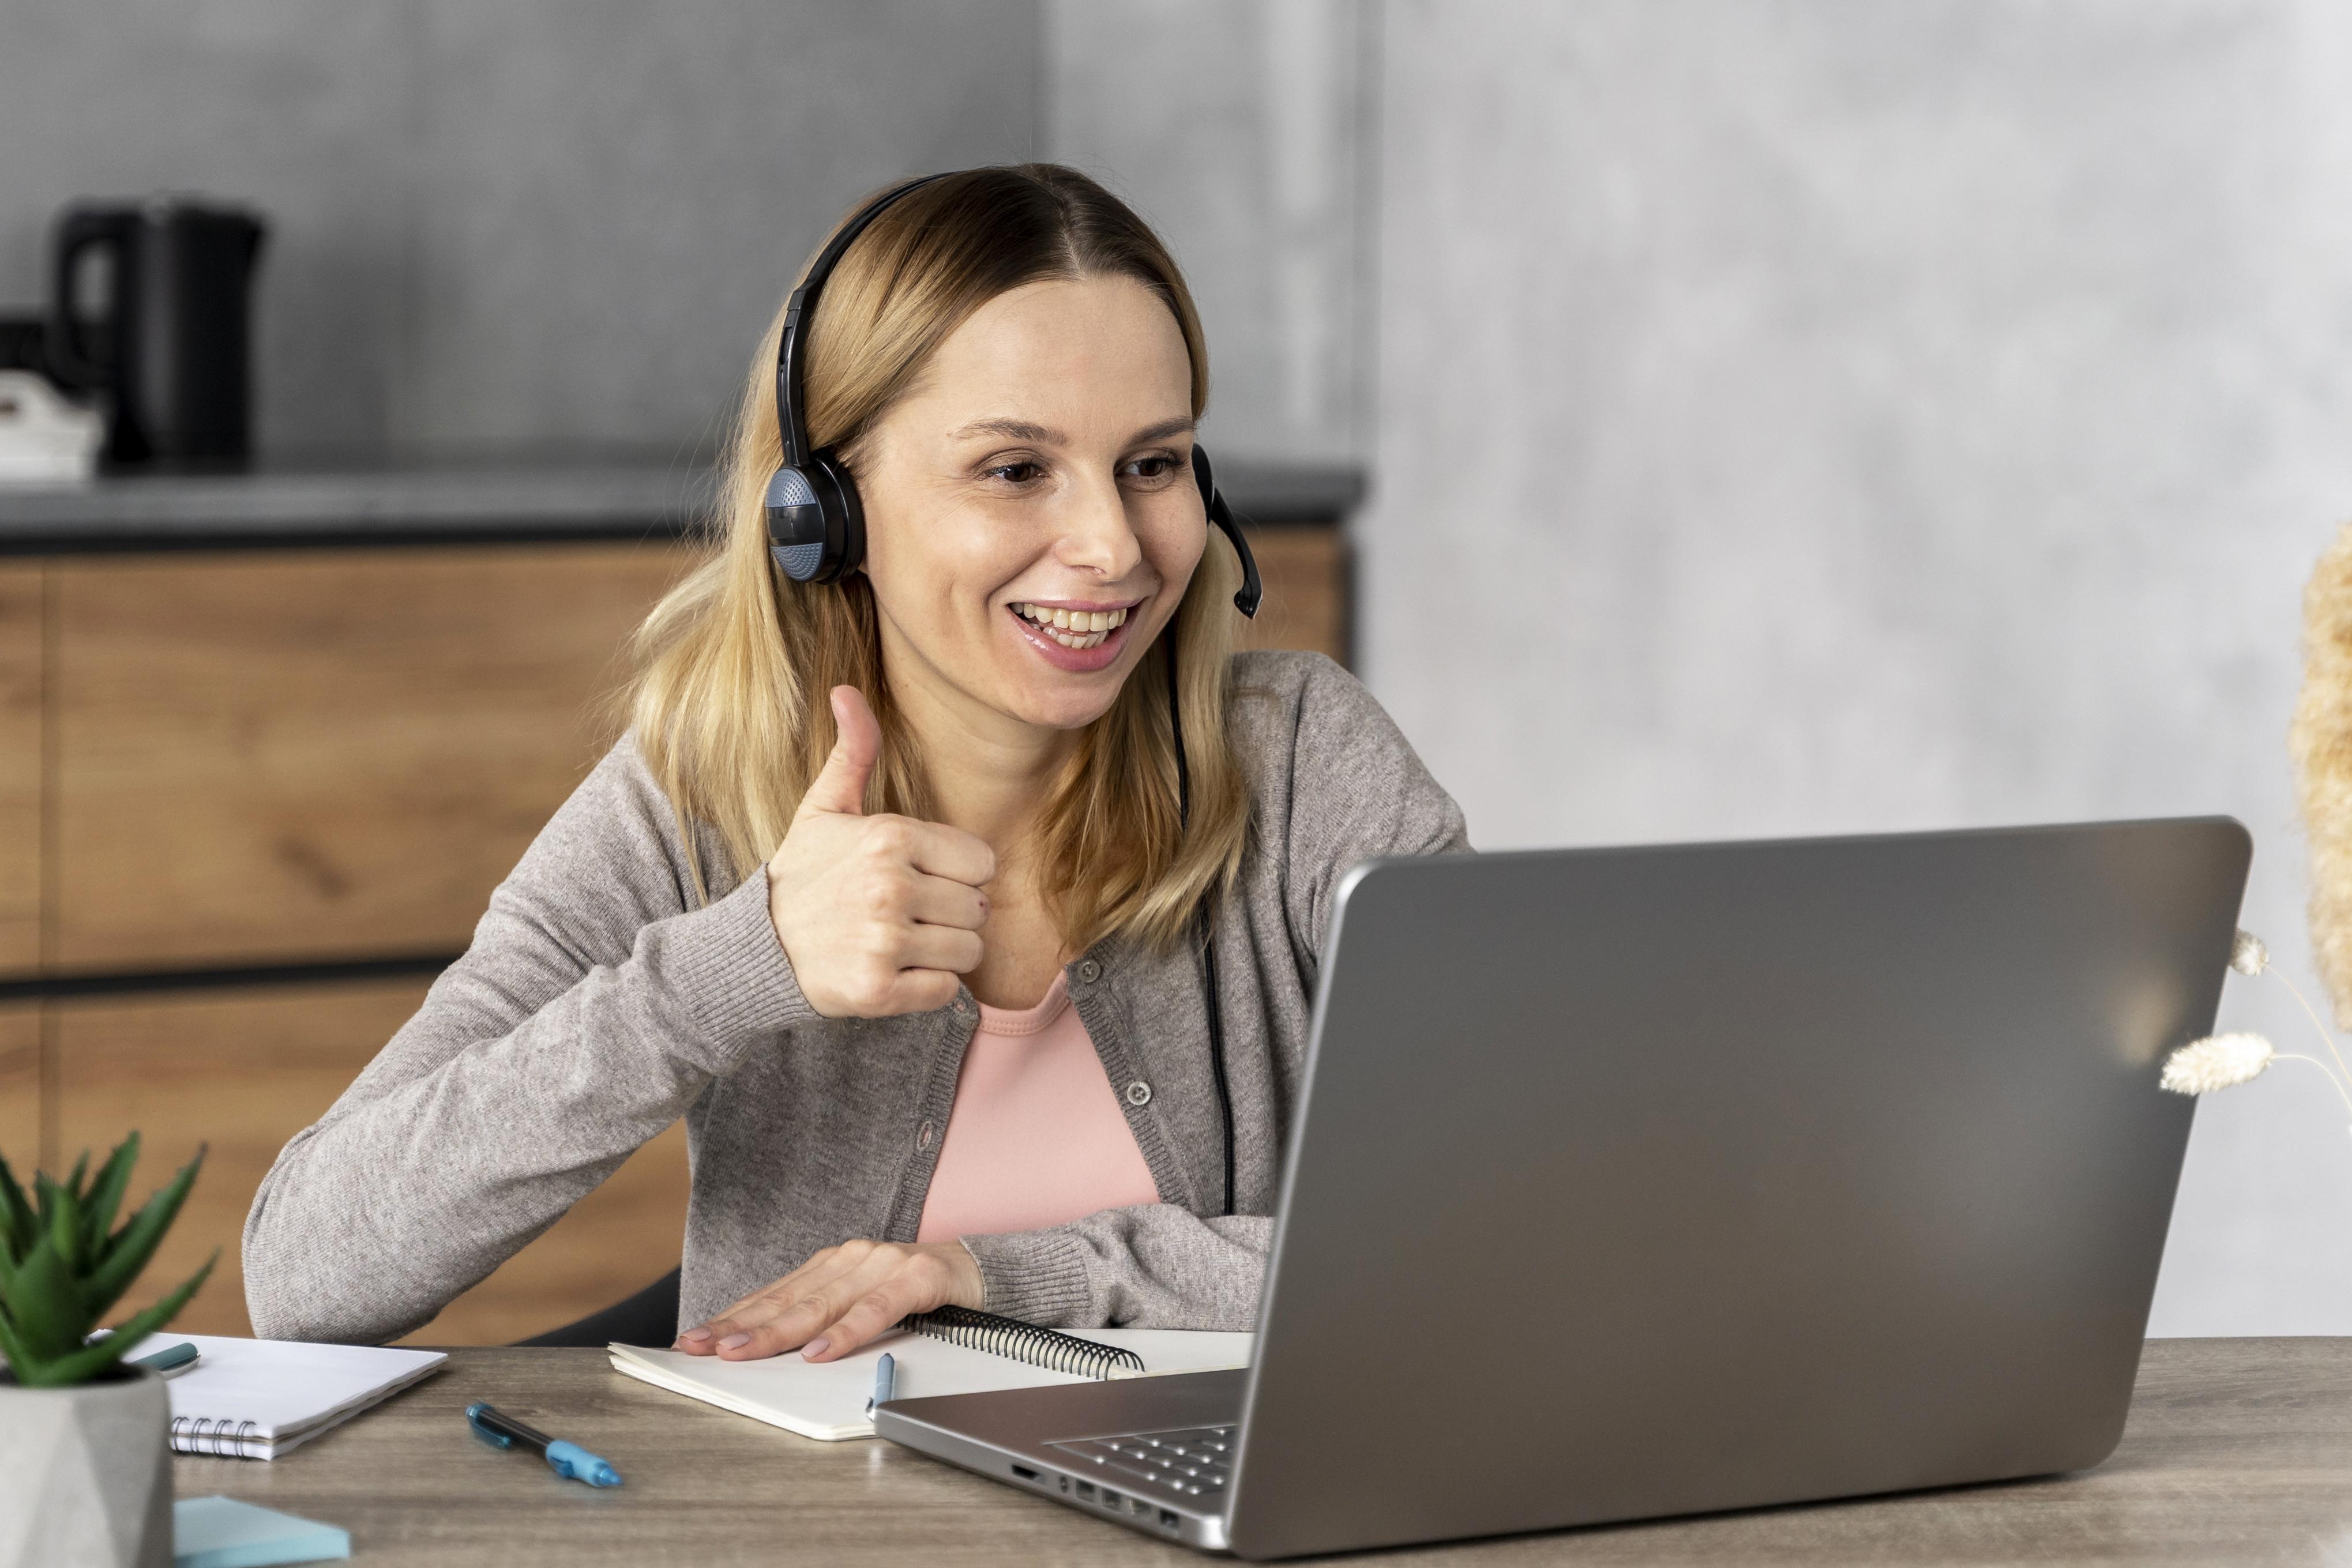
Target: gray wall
(1835, 417)
(525, 223)
(1243, 131)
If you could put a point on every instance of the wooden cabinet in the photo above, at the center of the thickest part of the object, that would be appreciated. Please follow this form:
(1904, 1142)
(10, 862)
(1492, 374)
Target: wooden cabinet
(21, 667)
(264, 758)
(20, 1089)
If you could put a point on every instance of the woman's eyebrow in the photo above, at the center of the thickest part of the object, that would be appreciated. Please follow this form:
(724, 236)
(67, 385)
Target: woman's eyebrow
(1022, 430)
(1013, 429)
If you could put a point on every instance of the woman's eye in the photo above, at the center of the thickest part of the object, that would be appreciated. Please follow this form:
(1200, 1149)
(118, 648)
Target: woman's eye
(1157, 467)
(1021, 473)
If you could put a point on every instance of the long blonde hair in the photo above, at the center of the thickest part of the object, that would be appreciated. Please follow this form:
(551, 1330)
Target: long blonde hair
(734, 665)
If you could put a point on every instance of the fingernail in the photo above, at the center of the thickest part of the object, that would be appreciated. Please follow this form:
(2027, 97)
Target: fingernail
(814, 1348)
(735, 1342)
(694, 1336)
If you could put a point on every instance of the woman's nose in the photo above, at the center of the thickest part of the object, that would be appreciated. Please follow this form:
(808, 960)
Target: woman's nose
(1095, 534)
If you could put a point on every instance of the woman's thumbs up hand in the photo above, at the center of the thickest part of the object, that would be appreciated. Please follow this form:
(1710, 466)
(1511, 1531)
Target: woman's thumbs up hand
(839, 789)
(878, 915)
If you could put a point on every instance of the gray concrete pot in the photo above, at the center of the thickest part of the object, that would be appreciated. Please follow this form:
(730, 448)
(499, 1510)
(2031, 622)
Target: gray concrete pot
(86, 1474)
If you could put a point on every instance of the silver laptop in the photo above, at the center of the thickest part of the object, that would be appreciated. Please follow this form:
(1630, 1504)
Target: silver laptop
(1638, 1182)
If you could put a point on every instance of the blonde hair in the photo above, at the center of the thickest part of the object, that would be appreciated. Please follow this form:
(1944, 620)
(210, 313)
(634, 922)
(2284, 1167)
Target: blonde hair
(734, 665)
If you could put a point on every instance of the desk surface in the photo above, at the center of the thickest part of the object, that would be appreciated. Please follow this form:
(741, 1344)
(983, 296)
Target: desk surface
(2238, 1451)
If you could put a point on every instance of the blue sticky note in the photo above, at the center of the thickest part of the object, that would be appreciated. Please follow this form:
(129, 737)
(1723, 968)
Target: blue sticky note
(222, 1532)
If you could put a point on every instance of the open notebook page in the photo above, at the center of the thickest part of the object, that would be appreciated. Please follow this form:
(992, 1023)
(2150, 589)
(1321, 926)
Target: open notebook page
(827, 1399)
(255, 1398)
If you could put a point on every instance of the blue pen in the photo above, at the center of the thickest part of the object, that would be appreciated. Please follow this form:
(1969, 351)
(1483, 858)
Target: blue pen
(570, 1461)
(885, 1380)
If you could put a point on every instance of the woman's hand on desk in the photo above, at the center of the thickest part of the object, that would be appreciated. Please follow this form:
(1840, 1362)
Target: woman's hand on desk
(878, 915)
(838, 1300)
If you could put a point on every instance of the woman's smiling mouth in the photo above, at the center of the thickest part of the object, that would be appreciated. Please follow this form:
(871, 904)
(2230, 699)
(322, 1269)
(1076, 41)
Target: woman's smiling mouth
(1073, 628)
(1074, 636)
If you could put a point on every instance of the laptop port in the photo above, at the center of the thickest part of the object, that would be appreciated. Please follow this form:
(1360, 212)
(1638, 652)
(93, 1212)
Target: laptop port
(1112, 1498)
(1135, 1505)
(1167, 1518)
(1024, 1472)
(1086, 1492)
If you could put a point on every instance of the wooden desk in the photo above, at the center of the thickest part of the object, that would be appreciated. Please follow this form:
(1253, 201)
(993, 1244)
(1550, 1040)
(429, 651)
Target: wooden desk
(2238, 1451)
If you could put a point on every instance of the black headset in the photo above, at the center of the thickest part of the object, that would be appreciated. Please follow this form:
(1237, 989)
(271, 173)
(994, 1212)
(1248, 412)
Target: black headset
(816, 533)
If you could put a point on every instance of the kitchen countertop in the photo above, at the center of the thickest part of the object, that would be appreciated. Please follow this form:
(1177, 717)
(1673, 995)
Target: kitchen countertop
(479, 502)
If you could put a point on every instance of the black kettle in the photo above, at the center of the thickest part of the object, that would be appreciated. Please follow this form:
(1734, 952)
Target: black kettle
(173, 347)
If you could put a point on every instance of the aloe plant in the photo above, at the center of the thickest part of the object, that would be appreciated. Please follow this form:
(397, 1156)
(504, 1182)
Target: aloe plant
(63, 1265)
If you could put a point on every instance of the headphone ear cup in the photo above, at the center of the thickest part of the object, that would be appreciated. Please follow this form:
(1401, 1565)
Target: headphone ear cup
(796, 525)
(816, 526)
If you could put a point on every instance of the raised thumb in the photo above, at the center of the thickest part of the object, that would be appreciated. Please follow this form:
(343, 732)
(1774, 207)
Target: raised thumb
(840, 786)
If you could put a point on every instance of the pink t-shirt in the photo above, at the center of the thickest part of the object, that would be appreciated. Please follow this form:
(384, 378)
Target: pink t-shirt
(1035, 1136)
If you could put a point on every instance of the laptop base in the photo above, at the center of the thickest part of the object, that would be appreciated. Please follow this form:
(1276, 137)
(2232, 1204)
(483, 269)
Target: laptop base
(1009, 1436)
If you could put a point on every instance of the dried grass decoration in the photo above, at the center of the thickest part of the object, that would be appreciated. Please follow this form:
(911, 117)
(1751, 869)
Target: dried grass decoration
(2226, 1060)
(2320, 745)
(2319, 742)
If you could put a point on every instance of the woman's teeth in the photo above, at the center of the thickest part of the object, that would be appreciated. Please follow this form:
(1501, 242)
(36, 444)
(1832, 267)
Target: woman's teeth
(1073, 628)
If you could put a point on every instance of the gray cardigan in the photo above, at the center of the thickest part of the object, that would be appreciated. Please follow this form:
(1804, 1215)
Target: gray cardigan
(601, 1001)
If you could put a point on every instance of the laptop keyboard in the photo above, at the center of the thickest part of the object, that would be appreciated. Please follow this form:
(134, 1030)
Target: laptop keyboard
(1190, 1461)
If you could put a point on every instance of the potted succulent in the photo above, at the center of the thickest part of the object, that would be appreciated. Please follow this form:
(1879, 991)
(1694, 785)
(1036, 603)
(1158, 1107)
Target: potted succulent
(85, 1459)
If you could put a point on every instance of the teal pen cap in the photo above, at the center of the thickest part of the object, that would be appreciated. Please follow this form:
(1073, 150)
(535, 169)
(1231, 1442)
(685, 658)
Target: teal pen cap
(171, 1358)
(570, 1461)
(885, 1380)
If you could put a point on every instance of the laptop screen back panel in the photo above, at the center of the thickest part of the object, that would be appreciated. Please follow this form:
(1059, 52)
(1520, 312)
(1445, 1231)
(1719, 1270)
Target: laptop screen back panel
(1640, 1182)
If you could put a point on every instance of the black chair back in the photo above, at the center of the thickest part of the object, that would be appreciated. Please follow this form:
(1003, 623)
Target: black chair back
(649, 1317)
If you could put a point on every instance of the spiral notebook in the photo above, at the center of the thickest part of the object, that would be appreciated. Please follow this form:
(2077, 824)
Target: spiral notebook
(255, 1398)
(952, 1350)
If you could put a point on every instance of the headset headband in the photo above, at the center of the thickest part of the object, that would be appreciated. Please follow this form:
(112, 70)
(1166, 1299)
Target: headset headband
(791, 378)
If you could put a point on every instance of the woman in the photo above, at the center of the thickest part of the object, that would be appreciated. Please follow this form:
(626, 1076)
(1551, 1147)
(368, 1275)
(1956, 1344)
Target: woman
(893, 888)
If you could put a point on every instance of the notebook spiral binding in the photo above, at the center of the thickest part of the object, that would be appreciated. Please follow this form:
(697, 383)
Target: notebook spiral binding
(1010, 1337)
(203, 1435)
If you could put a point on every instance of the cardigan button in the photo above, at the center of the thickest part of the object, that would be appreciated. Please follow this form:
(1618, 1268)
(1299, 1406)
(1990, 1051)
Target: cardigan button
(1089, 973)
(1139, 1093)
(923, 1136)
